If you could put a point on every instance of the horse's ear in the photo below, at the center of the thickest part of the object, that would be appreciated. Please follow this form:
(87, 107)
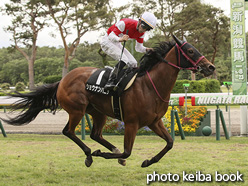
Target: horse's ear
(179, 42)
(184, 39)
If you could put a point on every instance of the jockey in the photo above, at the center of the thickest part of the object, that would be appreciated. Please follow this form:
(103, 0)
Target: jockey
(117, 33)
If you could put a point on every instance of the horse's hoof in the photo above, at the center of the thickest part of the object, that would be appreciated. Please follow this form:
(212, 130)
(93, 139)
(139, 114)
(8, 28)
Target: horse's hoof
(145, 163)
(88, 161)
(122, 162)
(96, 153)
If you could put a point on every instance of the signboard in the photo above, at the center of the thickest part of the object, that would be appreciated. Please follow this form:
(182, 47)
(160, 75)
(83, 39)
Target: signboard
(176, 101)
(238, 47)
(219, 100)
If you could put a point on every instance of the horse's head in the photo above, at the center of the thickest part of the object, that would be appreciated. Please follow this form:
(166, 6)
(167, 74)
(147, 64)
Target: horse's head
(190, 58)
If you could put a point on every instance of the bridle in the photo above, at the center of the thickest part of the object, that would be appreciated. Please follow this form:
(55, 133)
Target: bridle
(179, 53)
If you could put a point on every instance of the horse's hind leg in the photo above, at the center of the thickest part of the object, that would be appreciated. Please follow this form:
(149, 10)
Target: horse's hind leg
(69, 131)
(99, 121)
(160, 130)
(129, 137)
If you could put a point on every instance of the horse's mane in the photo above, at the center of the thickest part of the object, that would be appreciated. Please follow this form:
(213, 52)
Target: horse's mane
(154, 57)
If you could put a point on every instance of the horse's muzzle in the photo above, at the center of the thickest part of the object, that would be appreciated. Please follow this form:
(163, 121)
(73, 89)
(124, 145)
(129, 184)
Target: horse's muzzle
(211, 68)
(207, 70)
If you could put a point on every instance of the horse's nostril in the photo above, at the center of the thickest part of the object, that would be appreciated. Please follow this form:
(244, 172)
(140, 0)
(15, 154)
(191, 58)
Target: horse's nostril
(211, 67)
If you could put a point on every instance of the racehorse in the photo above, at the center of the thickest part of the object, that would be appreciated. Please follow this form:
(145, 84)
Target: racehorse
(143, 104)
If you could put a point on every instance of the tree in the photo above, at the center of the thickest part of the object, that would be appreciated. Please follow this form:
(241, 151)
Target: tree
(165, 12)
(79, 17)
(88, 52)
(46, 67)
(206, 27)
(27, 21)
(224, 69)
(14, 71)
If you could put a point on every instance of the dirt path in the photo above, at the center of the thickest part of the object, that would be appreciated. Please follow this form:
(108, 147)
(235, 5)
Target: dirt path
(47, 123)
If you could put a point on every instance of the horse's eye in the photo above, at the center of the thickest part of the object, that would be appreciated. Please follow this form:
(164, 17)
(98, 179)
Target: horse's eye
(191, 51)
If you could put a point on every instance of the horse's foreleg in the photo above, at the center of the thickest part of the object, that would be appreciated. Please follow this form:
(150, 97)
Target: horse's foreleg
(69, 131)
(129, 137)
(99, 121)
(161, 131)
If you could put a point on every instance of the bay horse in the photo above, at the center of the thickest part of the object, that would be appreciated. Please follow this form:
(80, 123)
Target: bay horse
(143, 104)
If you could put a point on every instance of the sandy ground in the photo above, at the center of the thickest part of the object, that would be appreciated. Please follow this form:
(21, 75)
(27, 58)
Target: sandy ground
(47, 123)
(234, 120)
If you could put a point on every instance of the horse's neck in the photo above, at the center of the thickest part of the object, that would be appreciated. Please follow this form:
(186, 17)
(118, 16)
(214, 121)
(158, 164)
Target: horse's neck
(164, 76)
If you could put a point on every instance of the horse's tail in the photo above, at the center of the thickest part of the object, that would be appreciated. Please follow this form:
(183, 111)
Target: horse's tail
(44, 97)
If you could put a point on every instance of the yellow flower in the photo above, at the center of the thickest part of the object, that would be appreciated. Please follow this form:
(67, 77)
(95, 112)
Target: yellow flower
(190, 122)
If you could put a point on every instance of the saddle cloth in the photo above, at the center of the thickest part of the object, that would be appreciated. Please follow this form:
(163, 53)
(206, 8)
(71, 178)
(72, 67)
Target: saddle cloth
(98, 79)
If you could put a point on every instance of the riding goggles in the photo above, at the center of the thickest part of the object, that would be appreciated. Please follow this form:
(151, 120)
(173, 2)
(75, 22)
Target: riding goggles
(145, 26)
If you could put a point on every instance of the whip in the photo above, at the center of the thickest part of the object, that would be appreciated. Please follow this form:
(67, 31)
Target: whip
(121, 55)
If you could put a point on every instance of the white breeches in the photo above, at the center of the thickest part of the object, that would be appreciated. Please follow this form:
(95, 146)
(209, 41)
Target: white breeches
(113, 49)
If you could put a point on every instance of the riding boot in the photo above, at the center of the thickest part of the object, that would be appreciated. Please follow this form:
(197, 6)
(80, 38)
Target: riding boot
(113, 75)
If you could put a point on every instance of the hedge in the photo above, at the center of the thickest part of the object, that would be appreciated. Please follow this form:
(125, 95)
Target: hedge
(52, 79)
(201, 86)
(212, 85)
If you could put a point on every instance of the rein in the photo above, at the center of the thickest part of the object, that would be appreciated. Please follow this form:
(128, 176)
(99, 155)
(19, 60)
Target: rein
(155, 88)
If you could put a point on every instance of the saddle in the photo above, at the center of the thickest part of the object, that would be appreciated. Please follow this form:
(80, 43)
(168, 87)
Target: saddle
(99, 78)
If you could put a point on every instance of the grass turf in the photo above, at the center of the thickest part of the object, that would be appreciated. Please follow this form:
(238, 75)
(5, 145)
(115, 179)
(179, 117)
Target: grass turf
(32, 159)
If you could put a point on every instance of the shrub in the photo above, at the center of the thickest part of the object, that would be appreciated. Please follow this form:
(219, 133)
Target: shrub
(178, 87)
(211, 85)
(52, 79)
(5, 86)
(20, 86)
(201, 86)
(197, 87)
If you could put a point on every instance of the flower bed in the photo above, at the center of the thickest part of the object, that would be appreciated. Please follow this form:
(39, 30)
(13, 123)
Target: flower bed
(189, 122)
